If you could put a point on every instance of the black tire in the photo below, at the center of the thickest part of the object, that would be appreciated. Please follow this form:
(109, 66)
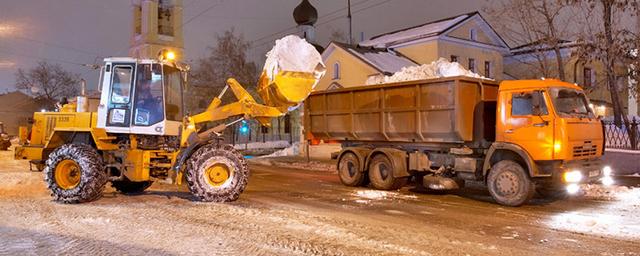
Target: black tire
(381, 174)
(509, 184)
(349, 171)
(91, 172)
(130, 187)
(211, 156)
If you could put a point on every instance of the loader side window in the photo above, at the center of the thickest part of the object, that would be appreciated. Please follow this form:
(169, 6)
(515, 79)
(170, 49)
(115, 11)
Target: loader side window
(121, 87)
(148, 100)
(173, 92)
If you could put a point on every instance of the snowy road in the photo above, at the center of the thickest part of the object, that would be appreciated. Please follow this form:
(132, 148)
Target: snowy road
(302, 212)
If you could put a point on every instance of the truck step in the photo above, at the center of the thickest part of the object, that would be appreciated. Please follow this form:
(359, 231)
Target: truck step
(107, 138)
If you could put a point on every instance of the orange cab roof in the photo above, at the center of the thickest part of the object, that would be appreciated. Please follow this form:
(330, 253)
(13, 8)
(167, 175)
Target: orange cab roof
(535, 84)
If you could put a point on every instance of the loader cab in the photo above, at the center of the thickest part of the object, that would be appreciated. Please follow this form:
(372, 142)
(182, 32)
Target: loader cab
(141, 96)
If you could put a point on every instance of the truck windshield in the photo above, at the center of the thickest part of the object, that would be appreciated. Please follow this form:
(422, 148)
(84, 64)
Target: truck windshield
(570, 102)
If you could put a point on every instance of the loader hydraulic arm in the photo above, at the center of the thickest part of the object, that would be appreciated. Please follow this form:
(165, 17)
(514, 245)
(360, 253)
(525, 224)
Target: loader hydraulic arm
(245, 106)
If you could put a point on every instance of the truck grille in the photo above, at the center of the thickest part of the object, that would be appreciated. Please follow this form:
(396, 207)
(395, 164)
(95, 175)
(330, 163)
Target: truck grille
(585, 150)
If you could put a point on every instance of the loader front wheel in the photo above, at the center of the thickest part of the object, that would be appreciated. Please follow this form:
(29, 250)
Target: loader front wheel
(75, 174)
(217, 173)
(130, 187)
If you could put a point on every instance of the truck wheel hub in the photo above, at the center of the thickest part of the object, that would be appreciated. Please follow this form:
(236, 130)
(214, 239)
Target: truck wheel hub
(67, 174)
(217, 175)
(507, 183)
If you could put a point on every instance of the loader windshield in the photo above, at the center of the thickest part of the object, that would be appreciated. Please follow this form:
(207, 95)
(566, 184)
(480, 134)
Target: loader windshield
(149, 108)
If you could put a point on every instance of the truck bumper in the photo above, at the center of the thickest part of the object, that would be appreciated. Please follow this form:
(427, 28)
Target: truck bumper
(570, 174)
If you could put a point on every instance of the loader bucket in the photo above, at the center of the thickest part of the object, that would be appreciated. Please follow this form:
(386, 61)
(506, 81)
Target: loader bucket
(288, 88)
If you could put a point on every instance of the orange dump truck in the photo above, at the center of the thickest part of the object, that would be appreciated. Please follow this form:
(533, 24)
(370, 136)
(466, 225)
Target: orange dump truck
(518, 137)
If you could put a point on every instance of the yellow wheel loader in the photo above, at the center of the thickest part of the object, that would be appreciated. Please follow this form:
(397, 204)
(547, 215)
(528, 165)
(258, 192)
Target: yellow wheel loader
(5, 140)
(138, 133)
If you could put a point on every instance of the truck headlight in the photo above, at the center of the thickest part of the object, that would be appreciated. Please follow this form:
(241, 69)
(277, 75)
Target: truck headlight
(573, 188)
(572, 176)
(607, 171)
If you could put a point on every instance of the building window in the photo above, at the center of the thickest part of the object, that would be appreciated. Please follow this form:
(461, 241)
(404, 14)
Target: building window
(165, 17)
(137, 19)
(487, 69)
(472, 34)
(587, 78)
(454, 58)
(472, 65)
(336, 70)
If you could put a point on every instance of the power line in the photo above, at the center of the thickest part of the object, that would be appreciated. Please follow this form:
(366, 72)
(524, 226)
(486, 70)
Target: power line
(54, 45)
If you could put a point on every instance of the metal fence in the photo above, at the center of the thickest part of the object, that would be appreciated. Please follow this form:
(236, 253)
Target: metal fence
(282, 129)
(622, 137)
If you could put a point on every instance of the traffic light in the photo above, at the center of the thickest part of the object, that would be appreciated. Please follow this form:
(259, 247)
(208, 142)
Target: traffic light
(244, 127)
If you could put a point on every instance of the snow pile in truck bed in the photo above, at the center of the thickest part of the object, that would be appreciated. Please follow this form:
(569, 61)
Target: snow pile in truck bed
(291, 53)
(437, 69)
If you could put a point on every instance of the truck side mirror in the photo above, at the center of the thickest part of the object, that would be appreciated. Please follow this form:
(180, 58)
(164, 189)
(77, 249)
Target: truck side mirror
(536, 103)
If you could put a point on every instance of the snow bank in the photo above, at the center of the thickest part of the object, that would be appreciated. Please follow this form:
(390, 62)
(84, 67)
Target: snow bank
(437, 69)
(263, 145)
(292, 150)
(291, 53)
(607, 193)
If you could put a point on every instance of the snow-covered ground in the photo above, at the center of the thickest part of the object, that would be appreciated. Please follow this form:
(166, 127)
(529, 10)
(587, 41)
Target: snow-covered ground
(437, 69)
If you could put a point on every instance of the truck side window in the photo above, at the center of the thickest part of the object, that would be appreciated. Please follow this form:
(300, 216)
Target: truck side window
(522, 105)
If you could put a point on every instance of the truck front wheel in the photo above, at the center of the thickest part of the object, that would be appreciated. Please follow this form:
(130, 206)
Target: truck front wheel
(349, 171)
(381, 174)
(509, 184)
(217, 173)
(75, 174)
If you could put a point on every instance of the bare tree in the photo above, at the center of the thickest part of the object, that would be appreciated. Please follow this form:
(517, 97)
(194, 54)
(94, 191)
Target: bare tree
(539, 25)
(228, 59)
(48, 82)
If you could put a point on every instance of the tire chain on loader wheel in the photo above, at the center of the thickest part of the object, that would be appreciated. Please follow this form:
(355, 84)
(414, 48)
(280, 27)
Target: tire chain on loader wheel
(93, 177)
(129, 187)
(349, 171)
(509, 184)
(381, 174)
(209, 156)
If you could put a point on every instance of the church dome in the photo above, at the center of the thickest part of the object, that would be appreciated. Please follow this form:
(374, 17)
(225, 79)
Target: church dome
(305, 13)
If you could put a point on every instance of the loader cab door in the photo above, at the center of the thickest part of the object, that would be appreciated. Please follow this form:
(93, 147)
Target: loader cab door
(120, 94)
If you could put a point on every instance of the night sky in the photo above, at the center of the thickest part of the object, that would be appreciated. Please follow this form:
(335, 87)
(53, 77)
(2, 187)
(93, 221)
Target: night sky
(75, 32)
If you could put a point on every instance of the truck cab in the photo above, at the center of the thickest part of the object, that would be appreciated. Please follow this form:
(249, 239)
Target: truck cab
(552, 122)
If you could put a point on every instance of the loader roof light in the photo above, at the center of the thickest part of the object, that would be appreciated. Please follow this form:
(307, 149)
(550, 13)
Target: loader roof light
(167, 55)
(171, 55)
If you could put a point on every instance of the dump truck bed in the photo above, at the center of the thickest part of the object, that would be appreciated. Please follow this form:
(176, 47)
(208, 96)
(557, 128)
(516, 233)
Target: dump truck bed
(434, 110)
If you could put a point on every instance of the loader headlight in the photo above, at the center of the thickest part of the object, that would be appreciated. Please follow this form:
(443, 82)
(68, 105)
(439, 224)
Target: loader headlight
(572, 176)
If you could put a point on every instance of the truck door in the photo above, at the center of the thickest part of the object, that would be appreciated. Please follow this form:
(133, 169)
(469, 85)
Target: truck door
(529, 124)
(120, 95)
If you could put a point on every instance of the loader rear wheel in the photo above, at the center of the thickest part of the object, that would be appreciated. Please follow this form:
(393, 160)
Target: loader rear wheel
(509, 184)
(381, 174)
(129, 187)
(75, 174)
(217, 173)
(349, 171)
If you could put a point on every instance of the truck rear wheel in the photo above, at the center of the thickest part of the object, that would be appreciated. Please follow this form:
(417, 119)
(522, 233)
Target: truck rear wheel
(381, 174)
(349, 171)
(130, 187)
(75, 174)
(509, 184)
(217, 173)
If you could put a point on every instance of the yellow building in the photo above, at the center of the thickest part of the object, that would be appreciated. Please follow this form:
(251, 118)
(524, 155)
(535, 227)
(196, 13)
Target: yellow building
(467, 39)
(157, 26)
